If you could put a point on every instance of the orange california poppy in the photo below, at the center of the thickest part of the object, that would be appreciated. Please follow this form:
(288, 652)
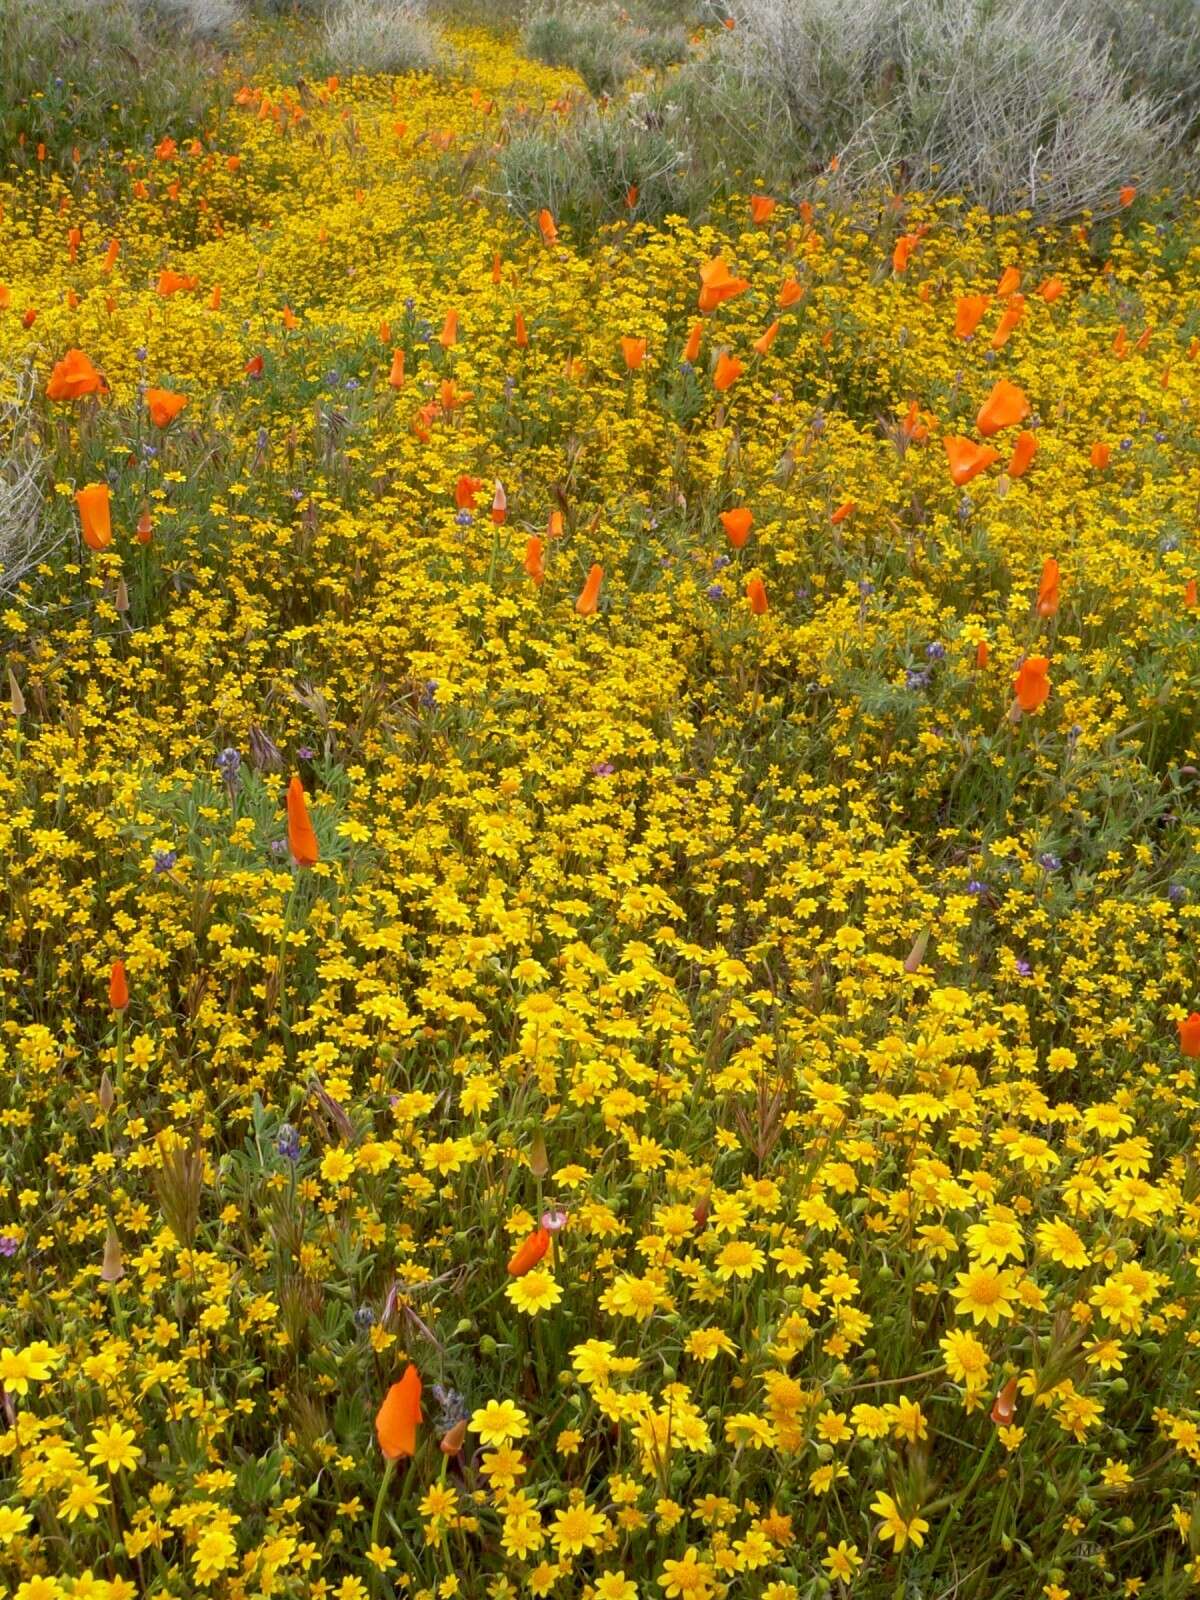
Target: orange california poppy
(254, 367)
(74, 237)
(396, 375)
(1010, 282)
(451, 397)
(631, 196)
(902, 251)
(520, 331)
(728, 370)
(691, 349)
(912, 428)
(164, 406)
(554, 525)
(1120, 344)
(145, 528)
(1127, 195)
(1005, 1405)
(397, 1418)
(497, 266)
(1023, 453)
(465, 491)
(589, 595)
(967, 459)
(842, 512)
(1189, 594)
(1003, 408)
(969, 312)
(717, 285)
(528, 1253)
(73, 377)
(756, 595)
(214, 299)
(170, 282)
(1031, 685)
(1100, 454)
(29, 318)
(1013, 312)
(547, 227)
(737, 524)
(118, 987)
(95, 515)
(499, 505)
(1047, 597)
(766, 339)
(790, 290)
(535, 558)
(634, 351)
(1051, 290)
(302, 841)
(981, 654)
(110, 256)
(1189, 1035)
(1144, 339)
(761, 207)
(449, 333)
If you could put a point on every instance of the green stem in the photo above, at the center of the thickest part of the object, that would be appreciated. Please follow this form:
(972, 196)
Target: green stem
(388, 1471)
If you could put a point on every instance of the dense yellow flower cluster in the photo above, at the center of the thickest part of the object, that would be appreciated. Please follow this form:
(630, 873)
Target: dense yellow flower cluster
(726, 1044)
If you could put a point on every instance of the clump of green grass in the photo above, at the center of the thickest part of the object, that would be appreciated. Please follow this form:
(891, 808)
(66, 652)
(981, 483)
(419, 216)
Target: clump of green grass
(381, 36)
(603, 43)
(80, 74)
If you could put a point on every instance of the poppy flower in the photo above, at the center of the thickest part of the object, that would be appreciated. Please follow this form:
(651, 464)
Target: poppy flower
(95, 515)
(1004, 1408)
(691, 349)
(789, 292)
(728, 370)
(164, 406)
(756, 595)
(499, 505)
(396, 375)
(634, 351)
(451, 396)
(547, 228)
(1003, 408)
(528, 1253)
(145, 528)
(254, 367)
(717, 285)
(302, 841)
(1010, 282)
(589, 595)
(73, 377)
(214, 299)
(631, 196)
(1051, 290)
(497, 266)
(902, 251)
(1047, 598)
(1189, 594)
(842, 512)
(554, 525)
(521, 332)
(1127, 194)
(761, 207)
(398, 1417)
(966, 458)
(766, 339)
(969, 313)
(449, 334)
(913, 430)
(1013, 312)
(74, 236)
(1100, 454)
(1023, 453)
(737, 524)
(170, 282)
(1031, 685)
(1189, 1035)
(110, 256)
(118, 987)
(981, 654)
(1120, 344)
(465, 491)
(535, 558)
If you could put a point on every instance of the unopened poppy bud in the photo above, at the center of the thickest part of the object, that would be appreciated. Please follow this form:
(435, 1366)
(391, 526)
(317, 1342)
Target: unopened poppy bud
(107, 1095)
(451, 1441)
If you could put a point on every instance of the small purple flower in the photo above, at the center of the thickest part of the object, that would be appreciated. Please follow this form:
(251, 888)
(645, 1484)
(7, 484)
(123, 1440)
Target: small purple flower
(1049, 862)
(1024, 969)
(720, 563)
(554, 1220)
(288, 1143)
(429, 694)
(229, 766)
(965, 507)
(364, 1318)
(510, 387)
(603, 769)
(1125, 444)
(305, 752)
(8, 1245)
(1160, 437)
(141, 353)
(1176, 893)
(278, 849)
(685, 367)
(916, 678)
(975, 886)
(715, 592)
(164, 861)
(464, 518)
(935, 651)
(1171, 542)
(865, 587)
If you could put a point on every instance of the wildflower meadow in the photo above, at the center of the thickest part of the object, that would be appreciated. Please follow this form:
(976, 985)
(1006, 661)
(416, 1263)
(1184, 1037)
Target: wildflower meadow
(598, 818)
